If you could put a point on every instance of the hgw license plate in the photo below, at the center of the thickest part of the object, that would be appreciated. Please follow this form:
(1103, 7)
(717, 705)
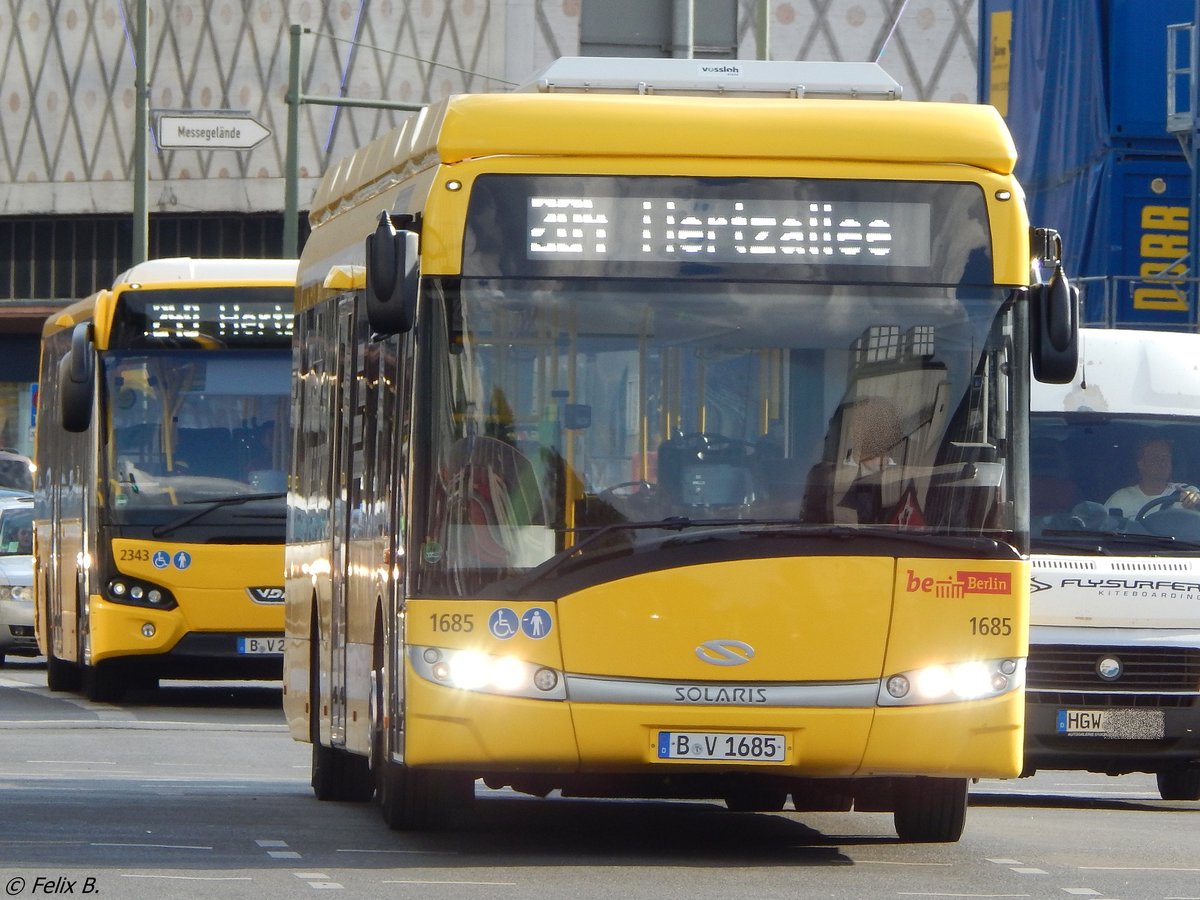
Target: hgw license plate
(721, 746)
(260, 646)
(1113, 724)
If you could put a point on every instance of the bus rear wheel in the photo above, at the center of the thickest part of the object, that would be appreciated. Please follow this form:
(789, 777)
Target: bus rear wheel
(930, 810)
(1180, 782)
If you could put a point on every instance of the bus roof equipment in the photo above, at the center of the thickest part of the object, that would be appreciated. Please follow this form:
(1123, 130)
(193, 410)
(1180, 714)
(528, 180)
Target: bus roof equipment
(729, 77)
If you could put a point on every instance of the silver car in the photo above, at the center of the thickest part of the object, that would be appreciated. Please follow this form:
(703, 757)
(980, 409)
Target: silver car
(16, 579)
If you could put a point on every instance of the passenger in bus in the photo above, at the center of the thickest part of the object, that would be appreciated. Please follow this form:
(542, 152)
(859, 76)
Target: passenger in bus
(1154, 462)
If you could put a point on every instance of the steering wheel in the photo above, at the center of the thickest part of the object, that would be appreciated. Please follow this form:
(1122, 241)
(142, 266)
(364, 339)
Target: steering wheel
(1166, 501)
(628, 490)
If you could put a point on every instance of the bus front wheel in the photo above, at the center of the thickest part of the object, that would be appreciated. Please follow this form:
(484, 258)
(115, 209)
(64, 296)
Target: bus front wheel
(930, 810)
(101, 684)
(338, 774)
(422, 800)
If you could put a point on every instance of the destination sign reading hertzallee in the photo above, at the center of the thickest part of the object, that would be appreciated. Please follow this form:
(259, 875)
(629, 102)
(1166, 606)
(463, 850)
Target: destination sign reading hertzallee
(679, 226)
(226, 321)
(847, 232)
(229, 316)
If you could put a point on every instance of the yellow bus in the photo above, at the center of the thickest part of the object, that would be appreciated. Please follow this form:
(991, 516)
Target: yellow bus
(660, 431)
(162, 428)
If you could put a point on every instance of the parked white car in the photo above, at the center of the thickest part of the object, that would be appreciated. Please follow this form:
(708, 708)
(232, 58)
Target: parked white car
(16, 579)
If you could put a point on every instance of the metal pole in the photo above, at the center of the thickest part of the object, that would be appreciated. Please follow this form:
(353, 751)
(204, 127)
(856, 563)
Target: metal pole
(763, 37)
(141, 131)
(683, 16)
(291, 191)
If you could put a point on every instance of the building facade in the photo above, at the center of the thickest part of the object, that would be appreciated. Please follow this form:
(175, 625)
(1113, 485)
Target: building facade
(68, 104)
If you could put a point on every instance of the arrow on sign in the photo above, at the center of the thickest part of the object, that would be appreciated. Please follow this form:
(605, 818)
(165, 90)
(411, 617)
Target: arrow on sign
(210, 132)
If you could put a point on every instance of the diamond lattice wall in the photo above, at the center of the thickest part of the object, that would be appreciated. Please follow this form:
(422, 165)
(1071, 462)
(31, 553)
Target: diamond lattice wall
(67, 79)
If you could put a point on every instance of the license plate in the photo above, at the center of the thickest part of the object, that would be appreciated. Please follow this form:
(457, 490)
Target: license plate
(722, 746)
(260, 646)
(1112, 724)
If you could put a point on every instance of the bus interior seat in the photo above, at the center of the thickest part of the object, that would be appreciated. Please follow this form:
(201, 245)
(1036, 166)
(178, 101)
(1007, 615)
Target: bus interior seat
(702, 471)
(207, 451)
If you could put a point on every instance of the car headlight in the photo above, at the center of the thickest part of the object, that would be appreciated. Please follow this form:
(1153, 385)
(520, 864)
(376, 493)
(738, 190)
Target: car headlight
(474, 670)
(22, 593)
(953, 682)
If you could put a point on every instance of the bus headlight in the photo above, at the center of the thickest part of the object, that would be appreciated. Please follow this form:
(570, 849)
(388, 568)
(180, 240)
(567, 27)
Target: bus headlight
(953, 683)
(474, 670)
(133, 592)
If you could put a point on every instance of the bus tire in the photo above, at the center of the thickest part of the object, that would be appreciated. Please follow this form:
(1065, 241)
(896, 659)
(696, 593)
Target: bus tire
(101, 684)
(61, 675)
(340, 775)
(930, 810)
(1180, 782)
(422, 800)
(756, 799)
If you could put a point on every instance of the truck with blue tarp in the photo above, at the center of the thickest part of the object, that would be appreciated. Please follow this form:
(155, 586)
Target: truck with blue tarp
(1084, 87)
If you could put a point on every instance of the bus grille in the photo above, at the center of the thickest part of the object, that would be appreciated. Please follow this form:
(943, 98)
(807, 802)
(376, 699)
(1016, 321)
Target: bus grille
(1056, 672)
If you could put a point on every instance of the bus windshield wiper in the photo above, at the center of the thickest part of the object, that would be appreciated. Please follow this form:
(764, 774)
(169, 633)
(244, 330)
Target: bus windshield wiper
(553, 563)
(723, 529)
(1120, 537)
(213, 503)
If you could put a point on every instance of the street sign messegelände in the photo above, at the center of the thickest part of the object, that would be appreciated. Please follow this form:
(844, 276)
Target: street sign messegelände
(211, 131)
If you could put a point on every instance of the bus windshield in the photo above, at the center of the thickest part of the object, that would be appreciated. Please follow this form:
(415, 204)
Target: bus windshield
(193, 426)
(559, 407)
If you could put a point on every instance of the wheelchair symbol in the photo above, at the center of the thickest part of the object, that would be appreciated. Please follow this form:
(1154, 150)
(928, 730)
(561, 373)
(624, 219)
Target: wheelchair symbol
(503, 623)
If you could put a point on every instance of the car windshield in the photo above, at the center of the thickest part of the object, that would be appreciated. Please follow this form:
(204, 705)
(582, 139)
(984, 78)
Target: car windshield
(1111, 483)
(16, 531)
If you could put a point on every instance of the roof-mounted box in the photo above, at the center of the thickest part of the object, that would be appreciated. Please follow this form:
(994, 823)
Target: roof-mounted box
(728, 77)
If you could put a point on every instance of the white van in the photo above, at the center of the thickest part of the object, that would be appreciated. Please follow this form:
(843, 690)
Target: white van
(1114, 659)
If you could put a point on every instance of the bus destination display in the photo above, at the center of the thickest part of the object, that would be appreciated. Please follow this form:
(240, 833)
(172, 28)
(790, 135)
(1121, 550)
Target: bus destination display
(848, 232)
(227, 316)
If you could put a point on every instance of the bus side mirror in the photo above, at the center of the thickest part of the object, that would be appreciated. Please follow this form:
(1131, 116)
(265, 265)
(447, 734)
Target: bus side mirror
(1054, 337)
(77, 375)
(393, 274)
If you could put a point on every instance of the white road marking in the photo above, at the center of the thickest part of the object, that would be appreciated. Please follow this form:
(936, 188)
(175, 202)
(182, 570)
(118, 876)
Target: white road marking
(1138, 869)
(189, 877)
(421, 852)
(148, 846)
(481, 883)
(893, 862)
